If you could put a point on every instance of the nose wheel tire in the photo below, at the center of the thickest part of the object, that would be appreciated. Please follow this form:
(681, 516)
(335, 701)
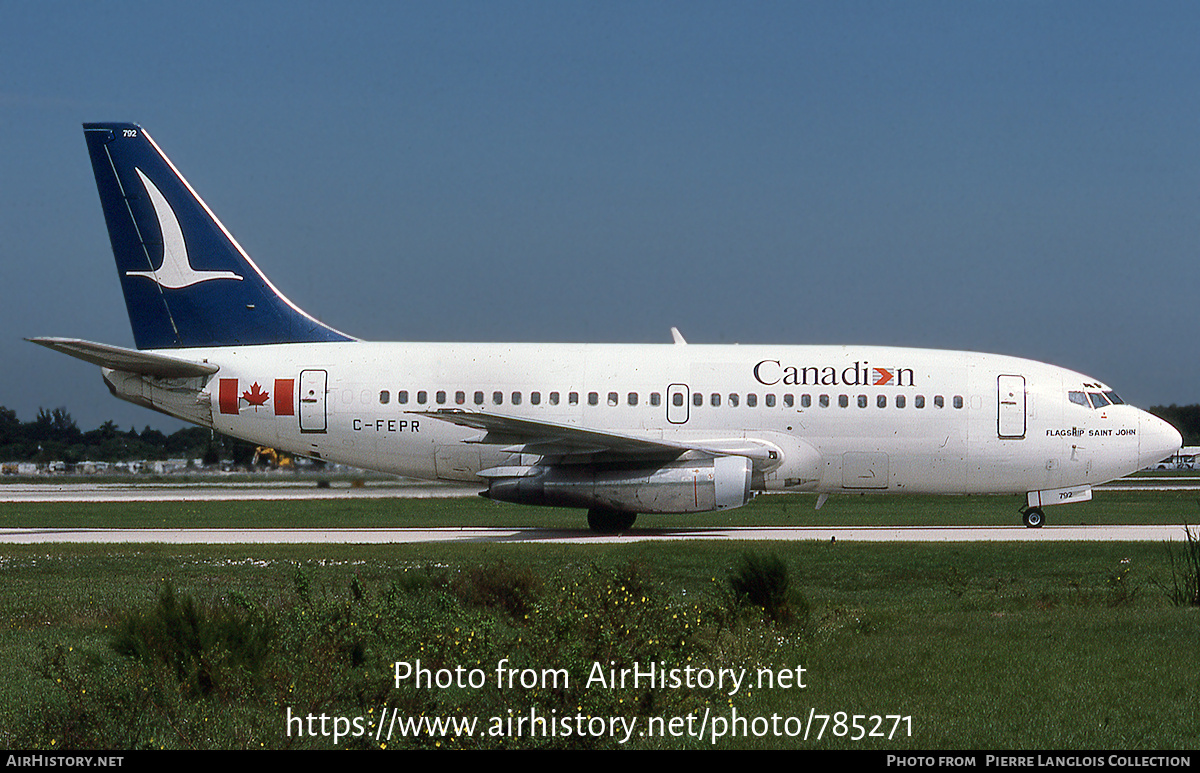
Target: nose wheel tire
(610, 521)
(1033, 517)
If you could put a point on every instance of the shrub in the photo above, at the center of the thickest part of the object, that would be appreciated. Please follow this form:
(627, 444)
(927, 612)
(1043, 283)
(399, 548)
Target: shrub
(762, 581)
(202, 647)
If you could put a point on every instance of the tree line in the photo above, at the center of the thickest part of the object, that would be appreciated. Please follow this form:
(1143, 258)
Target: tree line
(54, 436)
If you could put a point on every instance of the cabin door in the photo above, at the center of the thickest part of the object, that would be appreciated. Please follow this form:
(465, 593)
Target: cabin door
(312, 400)
(1010, 421)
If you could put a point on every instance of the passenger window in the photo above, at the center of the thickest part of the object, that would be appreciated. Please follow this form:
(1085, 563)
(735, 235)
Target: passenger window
(573, 398)
(958, 401)
(677, 399)
(460, 397)
(751, 400)
(843, 401)
(422, 396)
(554, 398)
(655, 398)
(612, 399)
(789, 401)
(899, 401)
(441, 397)
(593, 398)
(770, 401)
(824, 401)
(497, 398)
(479, 398)
(862, 401)
(402, 396)
(697, 399)
(384, 397)
(633, 398)
(516, 398)
(939, 401)
(919, 401)
(535, 398)
(715, 399)
(881, 401)
(733, 401)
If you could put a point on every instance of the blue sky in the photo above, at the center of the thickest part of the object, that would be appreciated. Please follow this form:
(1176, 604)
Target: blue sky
(1013, 177)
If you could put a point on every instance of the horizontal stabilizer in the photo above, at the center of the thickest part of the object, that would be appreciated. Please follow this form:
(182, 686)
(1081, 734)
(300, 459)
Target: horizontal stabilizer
(127, 360)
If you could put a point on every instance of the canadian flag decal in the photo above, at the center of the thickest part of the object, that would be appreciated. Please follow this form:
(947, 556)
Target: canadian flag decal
(284, 388)
(227, 395)
(256, 396)
(230, 398)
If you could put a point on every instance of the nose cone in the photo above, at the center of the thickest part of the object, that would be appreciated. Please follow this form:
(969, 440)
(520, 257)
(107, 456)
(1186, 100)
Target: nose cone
(1156, 440)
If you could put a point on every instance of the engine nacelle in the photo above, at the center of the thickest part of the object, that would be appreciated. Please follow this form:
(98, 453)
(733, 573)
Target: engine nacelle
(693, 486)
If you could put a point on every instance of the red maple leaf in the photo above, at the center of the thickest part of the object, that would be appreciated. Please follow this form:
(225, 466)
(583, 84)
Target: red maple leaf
(256, 396)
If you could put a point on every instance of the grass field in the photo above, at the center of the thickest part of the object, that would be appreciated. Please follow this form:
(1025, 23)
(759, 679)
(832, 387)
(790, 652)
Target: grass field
(975, 646)
(1108, 507)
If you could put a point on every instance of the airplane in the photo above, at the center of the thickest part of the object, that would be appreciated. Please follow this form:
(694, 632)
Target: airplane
(616, 429)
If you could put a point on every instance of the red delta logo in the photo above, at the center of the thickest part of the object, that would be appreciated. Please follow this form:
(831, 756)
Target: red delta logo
(230, 398)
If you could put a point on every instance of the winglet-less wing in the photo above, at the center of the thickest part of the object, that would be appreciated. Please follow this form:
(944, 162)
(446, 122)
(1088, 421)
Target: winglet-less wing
(127, 360)
(544, 438)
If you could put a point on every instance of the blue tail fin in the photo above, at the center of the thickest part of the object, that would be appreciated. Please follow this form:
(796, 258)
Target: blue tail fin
(187, 282)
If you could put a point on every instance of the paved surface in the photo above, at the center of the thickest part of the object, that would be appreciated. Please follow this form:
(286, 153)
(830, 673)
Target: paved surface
(302, 490)
(217, 492)
(384, 536)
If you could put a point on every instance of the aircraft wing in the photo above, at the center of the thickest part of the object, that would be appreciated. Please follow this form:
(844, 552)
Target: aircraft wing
(127, 360)
(544, 438)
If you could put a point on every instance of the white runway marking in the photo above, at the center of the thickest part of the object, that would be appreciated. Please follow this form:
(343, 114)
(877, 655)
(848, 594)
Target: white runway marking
(577, 536)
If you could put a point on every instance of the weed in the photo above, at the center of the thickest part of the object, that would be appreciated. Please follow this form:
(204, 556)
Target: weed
(511, 589)
(762, 581)
(1184, 589)
(203, 647)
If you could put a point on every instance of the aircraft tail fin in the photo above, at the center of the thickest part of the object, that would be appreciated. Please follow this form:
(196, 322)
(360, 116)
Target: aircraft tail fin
(186, 280)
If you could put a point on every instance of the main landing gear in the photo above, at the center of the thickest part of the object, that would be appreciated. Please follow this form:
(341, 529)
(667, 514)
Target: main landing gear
(610, 521)
(1033, 517)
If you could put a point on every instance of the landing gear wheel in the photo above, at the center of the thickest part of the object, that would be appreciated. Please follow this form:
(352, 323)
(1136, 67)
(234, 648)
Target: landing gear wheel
(610, 521)
(1034, 517)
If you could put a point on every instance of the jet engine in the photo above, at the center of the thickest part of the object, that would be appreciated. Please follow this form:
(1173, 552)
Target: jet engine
(692, 486)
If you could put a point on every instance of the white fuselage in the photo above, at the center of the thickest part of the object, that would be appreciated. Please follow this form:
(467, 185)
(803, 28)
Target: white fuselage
(843, 418)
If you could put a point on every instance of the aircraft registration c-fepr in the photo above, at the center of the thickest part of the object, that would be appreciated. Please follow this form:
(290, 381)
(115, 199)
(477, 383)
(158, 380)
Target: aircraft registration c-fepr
(616, 429)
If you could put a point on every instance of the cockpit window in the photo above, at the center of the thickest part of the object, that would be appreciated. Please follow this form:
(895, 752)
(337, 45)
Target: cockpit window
(1098, 400)
(1079, 398)
(1116, 400)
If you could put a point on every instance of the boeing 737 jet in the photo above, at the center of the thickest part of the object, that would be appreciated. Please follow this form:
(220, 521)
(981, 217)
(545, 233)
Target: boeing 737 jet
(612, 428)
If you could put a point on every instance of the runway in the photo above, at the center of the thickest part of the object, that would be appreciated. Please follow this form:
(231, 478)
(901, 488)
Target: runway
(220, 491)
(225, 492)
(74, 491)
(834, 534)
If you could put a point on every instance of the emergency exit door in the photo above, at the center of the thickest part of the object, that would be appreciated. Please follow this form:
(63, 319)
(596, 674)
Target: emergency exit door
(677, 403)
